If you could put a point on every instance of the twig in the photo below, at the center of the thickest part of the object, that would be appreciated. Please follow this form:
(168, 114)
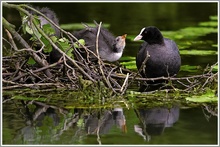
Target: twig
(58, 49)
(41, 62)
(98, 136)
(18, 85)
(161, 78)
(99, 60)
(143, 64)
(123, 89)
(38, 70)
(141, 68)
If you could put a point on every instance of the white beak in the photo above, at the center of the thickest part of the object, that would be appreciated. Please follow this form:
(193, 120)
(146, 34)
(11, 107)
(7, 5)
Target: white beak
(138, 37)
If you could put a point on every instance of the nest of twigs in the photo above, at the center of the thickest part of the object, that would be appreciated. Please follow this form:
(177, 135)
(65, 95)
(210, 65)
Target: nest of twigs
(68, 72)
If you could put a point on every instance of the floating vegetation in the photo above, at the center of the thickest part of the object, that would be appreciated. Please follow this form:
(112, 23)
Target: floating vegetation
(130, 65)
(203, 29)
(212, 23)
(190, 33)
(210, 96)
(198, 52)
(128, 62)
(190, 68)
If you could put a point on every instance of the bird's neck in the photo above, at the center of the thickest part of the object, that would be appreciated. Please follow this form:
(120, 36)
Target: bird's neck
(114, 56)
(156, 40)
(116, 49)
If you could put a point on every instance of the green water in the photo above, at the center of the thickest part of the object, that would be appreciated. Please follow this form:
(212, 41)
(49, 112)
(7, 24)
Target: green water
(190, 127)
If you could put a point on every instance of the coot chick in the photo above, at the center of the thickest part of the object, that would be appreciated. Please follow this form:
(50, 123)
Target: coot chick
(54, 55)
(51, 15)
(164, 57)
(109, 47)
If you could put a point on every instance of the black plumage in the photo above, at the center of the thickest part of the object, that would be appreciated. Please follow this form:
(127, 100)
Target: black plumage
(164, 58)
(164, 54)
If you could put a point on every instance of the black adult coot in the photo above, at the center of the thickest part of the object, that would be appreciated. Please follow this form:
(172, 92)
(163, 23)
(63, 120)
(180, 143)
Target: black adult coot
(164, 58)
(110, 48)
(155, 120)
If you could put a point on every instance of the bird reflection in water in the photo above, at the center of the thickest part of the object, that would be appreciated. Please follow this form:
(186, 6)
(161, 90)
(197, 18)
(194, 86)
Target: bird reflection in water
(102, 123)
(154, 120)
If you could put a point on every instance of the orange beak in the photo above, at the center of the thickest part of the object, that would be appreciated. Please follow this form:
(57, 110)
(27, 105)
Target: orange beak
(124, 36)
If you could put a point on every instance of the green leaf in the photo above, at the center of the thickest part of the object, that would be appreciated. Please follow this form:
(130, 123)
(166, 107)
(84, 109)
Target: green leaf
(36, 20)
(48, 46)
(33, 38)
(63, 44)
(31, 61)
(69, 52)
(36, 33)
(28, 30)
(78, 44)
(48, 29)
(24, 23)
(63, 40)
(29, 27)
(54, 39)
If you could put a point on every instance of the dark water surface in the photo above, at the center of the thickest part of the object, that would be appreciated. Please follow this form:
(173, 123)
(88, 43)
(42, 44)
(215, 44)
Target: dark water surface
(79, 126)
(177, 125)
